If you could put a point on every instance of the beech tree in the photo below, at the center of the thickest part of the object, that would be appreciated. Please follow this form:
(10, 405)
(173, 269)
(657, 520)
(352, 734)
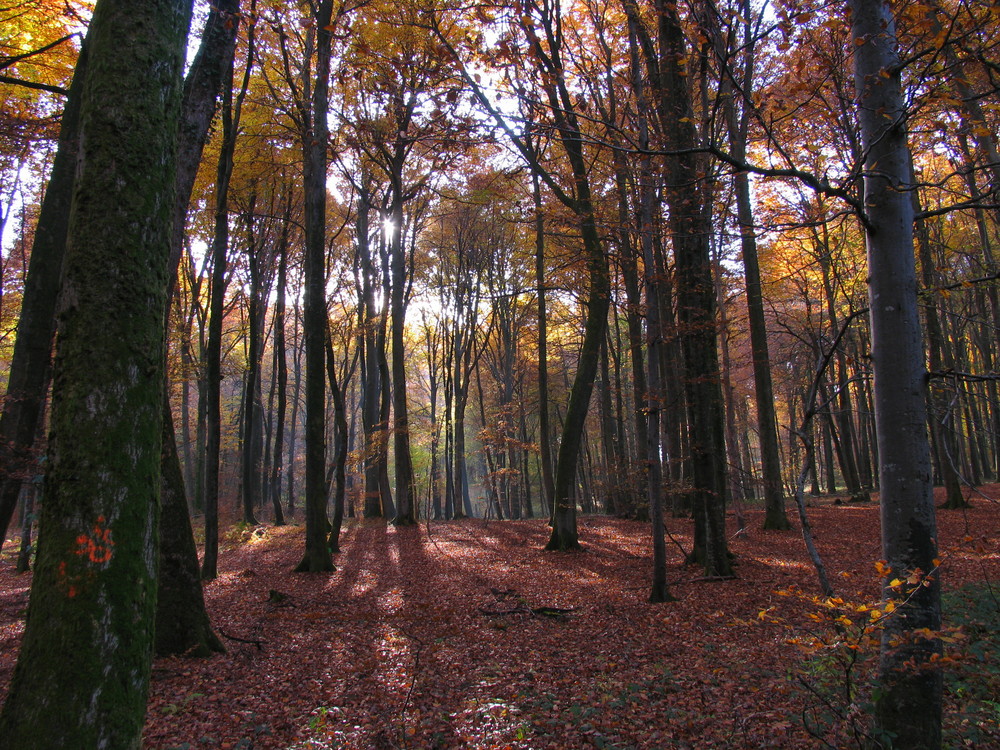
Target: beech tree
(230, 116)
(83, 670)
(909, 708)
(29, 366)
(314, 146)
(182, 624)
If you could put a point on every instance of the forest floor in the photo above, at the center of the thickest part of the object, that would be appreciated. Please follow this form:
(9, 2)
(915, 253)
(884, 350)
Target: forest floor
(437, 636)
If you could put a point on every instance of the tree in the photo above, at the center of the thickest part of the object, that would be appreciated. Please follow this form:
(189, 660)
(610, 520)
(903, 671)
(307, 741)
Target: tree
(314, 145)
(33, 346)
(541, 30)
(280, 368)
(213, 369)
(182, 624)
(460, 270)
(83, 670)
(909, 708)
(737, 127)
(685, 194)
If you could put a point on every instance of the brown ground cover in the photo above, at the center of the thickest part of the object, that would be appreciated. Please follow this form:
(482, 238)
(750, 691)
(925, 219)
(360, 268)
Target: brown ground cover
(425, 636)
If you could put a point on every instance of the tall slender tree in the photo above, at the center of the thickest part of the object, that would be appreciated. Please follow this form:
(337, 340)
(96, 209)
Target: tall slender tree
(909, 708)
(29, 367)
(182, 624)
(314, 147)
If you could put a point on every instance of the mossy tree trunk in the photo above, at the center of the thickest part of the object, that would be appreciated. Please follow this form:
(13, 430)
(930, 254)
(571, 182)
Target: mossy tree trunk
(82, 675)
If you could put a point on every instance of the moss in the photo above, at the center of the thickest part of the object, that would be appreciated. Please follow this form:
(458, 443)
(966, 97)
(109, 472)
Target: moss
(83, 671)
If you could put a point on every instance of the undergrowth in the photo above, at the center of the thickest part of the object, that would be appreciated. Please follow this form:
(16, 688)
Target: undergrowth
(837, 674)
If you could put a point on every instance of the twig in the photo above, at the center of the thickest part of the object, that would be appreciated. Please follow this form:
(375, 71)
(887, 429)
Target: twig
(413, 680)
(258, 644)
(524, 609)
(684, 553)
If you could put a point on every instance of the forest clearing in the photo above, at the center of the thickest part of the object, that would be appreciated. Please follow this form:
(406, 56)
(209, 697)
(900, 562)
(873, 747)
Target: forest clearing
(425, 637)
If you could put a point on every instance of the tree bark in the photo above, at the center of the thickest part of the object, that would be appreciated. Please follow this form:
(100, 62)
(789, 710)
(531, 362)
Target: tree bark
(544, 431)
(314, 144)
(910, 702)
(32, 354)
(280, 371)
(182, 624)
(213, 348)
(82, 674)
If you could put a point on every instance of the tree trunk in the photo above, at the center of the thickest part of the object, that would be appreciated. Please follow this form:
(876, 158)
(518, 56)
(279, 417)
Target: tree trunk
(405, 491)
(252, 442)
(911, 687)
(213, 348)
(684, 194)
(775, 516)
(280, 371)
(564, 531)
(938, 360)
(544, 431)
(654, 340)
(294, 419)
(463, 501)
(314, 144)
(29, 368)
(340, 445)
(182, 624)
(93, 595)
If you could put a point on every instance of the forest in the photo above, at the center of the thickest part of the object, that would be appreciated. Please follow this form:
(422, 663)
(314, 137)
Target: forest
(683, 297)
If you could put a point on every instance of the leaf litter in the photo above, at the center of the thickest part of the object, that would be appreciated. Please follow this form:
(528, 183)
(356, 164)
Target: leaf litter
(466, 634)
